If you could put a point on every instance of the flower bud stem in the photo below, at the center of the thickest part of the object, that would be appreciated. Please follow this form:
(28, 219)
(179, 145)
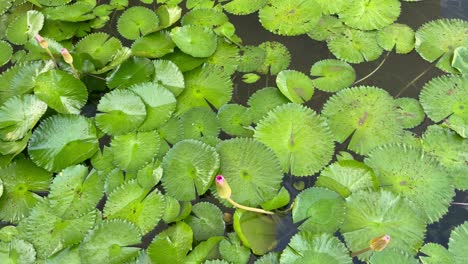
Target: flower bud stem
(256, 210)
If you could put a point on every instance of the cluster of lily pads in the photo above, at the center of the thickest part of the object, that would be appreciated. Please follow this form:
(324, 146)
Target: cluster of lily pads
(105, 137)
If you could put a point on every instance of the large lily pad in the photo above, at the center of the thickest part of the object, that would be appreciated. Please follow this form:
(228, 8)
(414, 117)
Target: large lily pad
(256, 231)
(136, 21)
(295, 85)
(197, 41)
(355, 46)
(370, 14)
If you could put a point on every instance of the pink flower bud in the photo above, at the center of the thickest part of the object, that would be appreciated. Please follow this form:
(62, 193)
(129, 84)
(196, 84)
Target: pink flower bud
(42, 42)
(224, 191)
(67, 57)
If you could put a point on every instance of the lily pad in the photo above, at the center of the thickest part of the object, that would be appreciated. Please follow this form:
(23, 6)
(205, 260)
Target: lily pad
(307, 247)
(97, 48)
(299, 137)
(290, 17)
(120, 112)
(256, 231)
(206, 17)
(206, 221)
(398, 36)
(5, 52)
(200, 122)
(334, 7)
(172, 244)
(169, 76)
(133, 71)
(137, 21)
(235, 120)
(366, 114)
(232, 250)
(226, 57)
(189, 169)
(355, 46)
(410, 111)
(322, 210)
(392, 256)
(370, 14)
(154, 45)
(434, 254)
(252, 57)
(371, 214)
(444, 98)
(251, 169)
(439, 38)
(244, 7)
(277, 58)
(18, 251)
(197, 41)
(24, 27)
(18, 115)
(460, 59)
(328, 26)
(295, 85)
(332, 75)
(61, 91)
(61, 141)
(457, 243)
(263, 101)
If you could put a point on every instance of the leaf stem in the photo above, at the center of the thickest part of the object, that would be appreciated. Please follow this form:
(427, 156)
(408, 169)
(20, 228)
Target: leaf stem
(413, 81)
(374, 71)
(354, 254)
(461, 203)
(256, 210)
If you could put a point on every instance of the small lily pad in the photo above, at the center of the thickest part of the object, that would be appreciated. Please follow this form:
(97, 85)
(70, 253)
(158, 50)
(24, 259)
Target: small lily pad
(263, 101)
(197, 41)
(5, 52)
(332, 75)
(97, 48)
(327, 28)
(206, 17)
(277, 58)
(154, 45)
(252, 57)
(235, 120)
(410, 111)
(137, 21)
(226, 57)
(172, 244)
(167, 74)
(457, 243)
(398, 36)
(132, 71)
(244, 7)
(391, 256)
(256, 231)
(295, 85)
(200, 122)
(435, 254)
(460, 59)
(355, 46)
(206, 221)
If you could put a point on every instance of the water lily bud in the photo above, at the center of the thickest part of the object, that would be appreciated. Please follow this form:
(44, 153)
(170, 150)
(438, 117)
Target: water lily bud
(379, 243)
(224, 191)
(67, 57)
(42, 42)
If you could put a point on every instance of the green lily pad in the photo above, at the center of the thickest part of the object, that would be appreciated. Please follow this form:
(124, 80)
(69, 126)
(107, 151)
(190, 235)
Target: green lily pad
(206, 17)
(334, 7)
(205, 251)
(61, 91)
(168, 15)
(200, 122)
(235, 120)
(206, 86)
(450, 150)
(111, 242)
(372, 214)
(189, 169)
(263, 101)
(135, 204)
(457, 243)
(410, 112)
(256, 231)
(76, 12)
(332, 75)
(184, 61)
(5, 52)
(154, 45)
(328, 26)
(137, 21)
(307, 247)
(18, 115)
(169, 76)
(269, 258)
(120, 112)
(346, 177)
(19, 79)
(392, 256)
(172, 244)
(21, 179)
(18, 251)
(445, 97)
(97, 49)
(197, 41)
(365, 113)
(206, 221)
(322, 210)
(277, 58)
(459, 61)
(290, 17)
(398, 36)
(439, 38)
(226, 57)
(61, 141)
(292, 131)
(24, 27)
(295, 85)
(133, 71)
(134, 150)
(434, 254)
(196, 4)
(244, 7)
(370, 14)
(355, 46)
(252, 57)
(251, 169)
(232, 250)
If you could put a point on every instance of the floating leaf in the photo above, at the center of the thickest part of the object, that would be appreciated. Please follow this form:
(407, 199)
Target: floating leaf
(137, 21)
(333, 7)
(197, 41)
(169, 75)
(24, 27)
(299, 137)
(5, 52)
(365, 113)
(205, 86)
(457, 243)
(232, 250)
(61, 91)
(251, 169)
(355, 46)
(235, 120)
(370, 14)
(189, 168)
(290, 17)
(21, 179)
(200, 122)
(205, 250)
(445, 97)
(346, 177)
(79, 11)
(206, 221)
(405, 171)
(332, 75)
(132, 71)
(61, 141)
(17, 251)
(256, 231)
(196, 4)
(371, 214)
(435, 254)
(206, 17)
(277, 58)
(18, 115)
(450, 150)
(75, 192)
(306, 247)
(322, 210)
(111, 242)
(251, 59)
(154, 45)
(392, 256)
(184, 61)
(135, 204)
(398, 36)
(97, 48)
(244, 7)
(19, 79)
(281, 199)
(439, 38)
(134, 150)
(172, 244)
(459, 61)
(168, 15)
(295, 85)
(263, 101)
(328, 26)
(226, 57)
(410, 112)
(120, 112)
